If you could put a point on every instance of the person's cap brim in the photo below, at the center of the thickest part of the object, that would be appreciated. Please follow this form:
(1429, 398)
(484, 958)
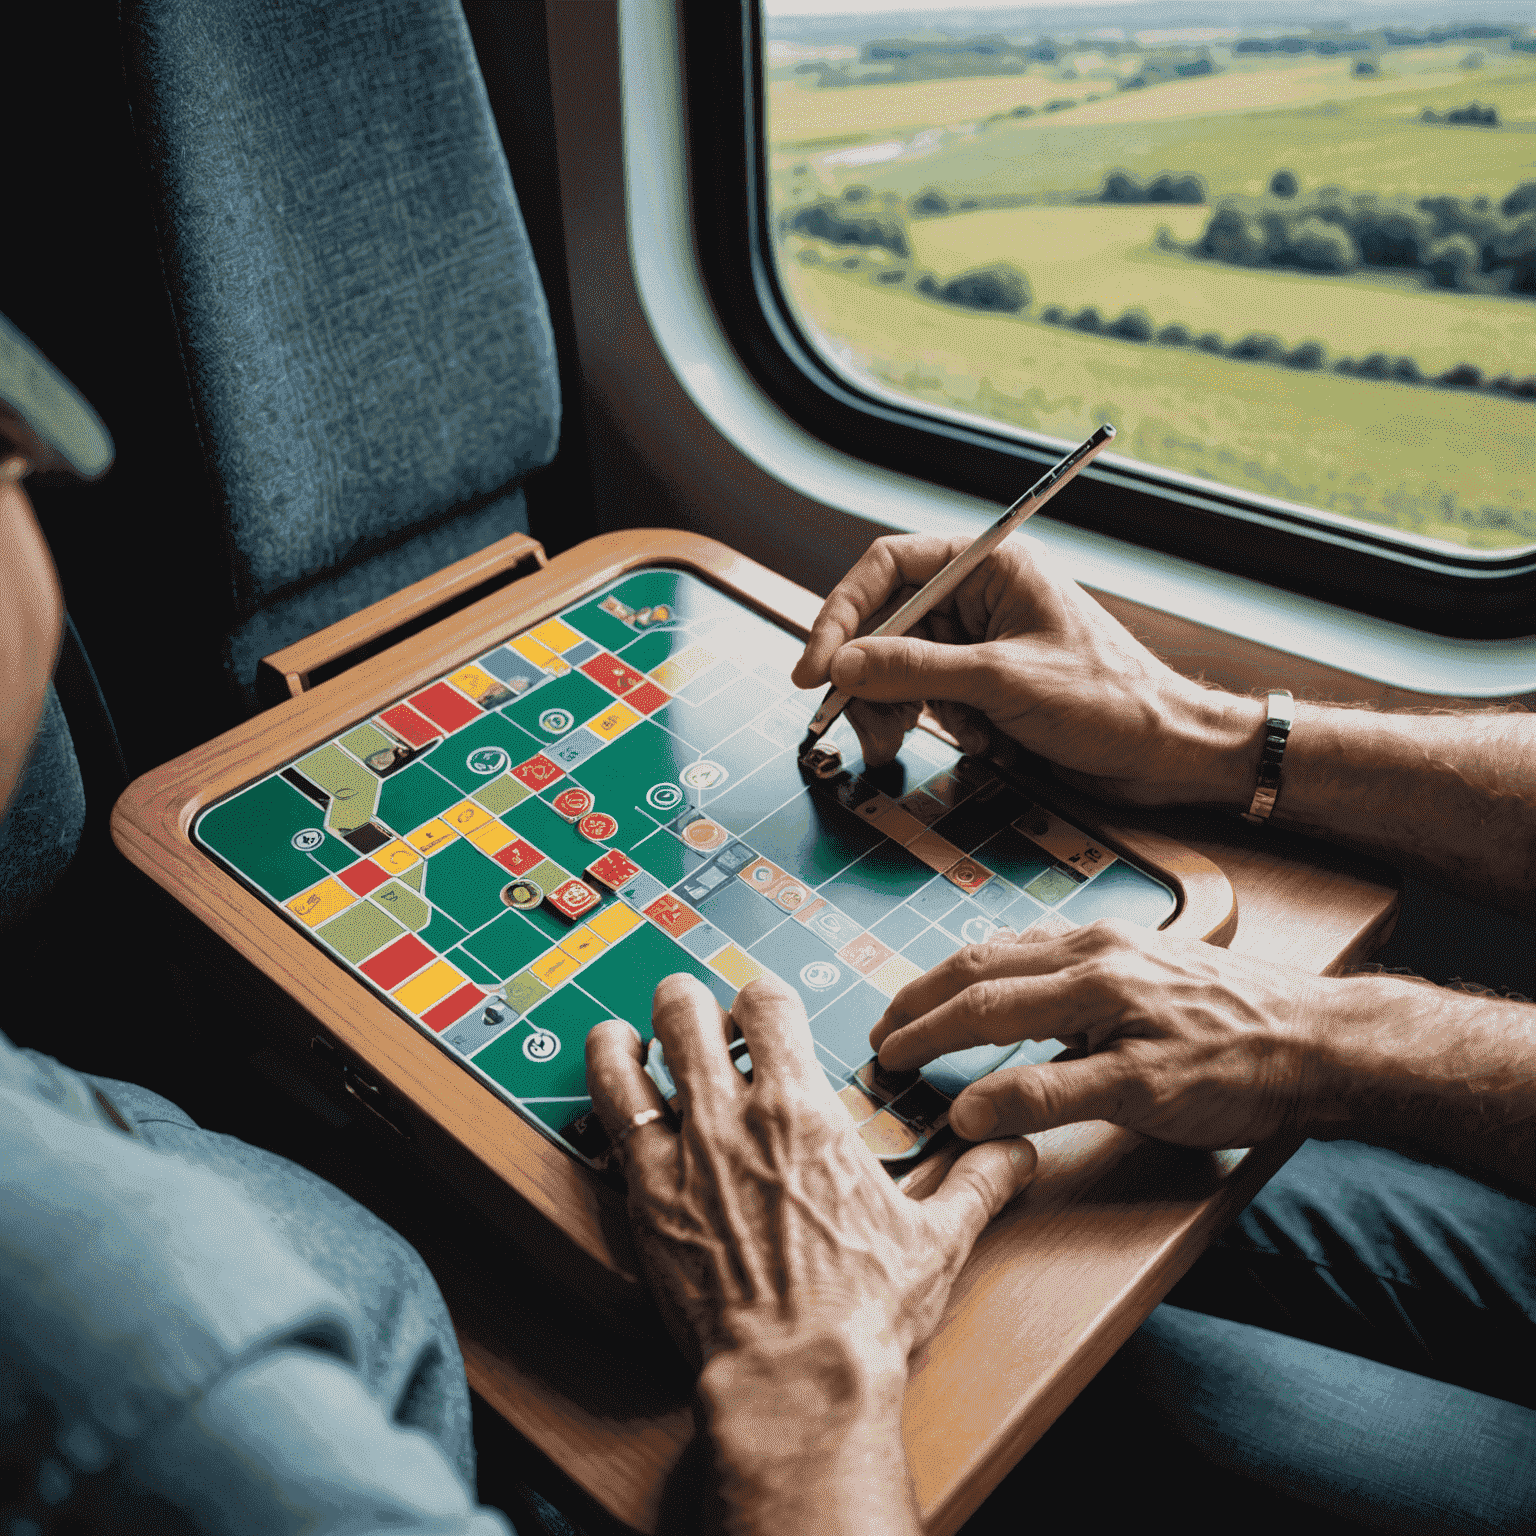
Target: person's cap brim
(45, 415)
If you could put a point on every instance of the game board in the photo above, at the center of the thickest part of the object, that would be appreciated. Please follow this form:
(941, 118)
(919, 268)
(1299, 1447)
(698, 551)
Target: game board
(528, 844)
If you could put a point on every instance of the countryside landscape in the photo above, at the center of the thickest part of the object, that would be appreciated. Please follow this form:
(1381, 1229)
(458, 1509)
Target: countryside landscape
(1292, 254)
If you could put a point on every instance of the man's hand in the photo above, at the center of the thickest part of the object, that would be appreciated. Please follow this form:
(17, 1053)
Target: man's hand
(1022, 653)
(1180, 1040)
(787, 1263)
(1193, 1045)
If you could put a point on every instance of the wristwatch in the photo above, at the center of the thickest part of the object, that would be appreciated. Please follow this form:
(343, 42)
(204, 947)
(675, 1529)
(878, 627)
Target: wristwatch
(1277, 731)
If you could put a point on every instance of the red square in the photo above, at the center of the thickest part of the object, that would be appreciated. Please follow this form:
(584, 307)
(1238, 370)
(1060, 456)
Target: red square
(865, 953)
(363, 877)
(612, 673)
(669, 913)
(574, 898)
(537, 772)
(613, 869)
(446, 705)
(409, 726)
(403, 958)
(647, 698)
(519, 856)
(453, 1007)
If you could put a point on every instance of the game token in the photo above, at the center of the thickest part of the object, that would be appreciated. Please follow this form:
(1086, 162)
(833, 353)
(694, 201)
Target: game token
(614, 869)
(669, 913)
(599, 826)
(823, 762)
(573, 898)
(522, 895)
(574, 803)
(705, 835)
(968, 875)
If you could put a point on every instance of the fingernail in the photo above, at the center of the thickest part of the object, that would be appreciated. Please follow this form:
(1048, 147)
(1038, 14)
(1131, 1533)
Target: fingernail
(848, 667)
(973, 1118)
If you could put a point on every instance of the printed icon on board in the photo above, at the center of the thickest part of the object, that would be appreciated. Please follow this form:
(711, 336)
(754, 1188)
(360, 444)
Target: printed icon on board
(541, 1045)
(820, 974)
(663, 797)
(556, 722)
(487, 761)
(308, 840)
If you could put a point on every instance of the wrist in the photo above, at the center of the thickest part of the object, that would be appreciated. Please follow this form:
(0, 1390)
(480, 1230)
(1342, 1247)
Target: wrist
(1220, 738)
(801, 1426)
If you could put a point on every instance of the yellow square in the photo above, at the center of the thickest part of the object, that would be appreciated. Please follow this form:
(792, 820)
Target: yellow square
(466, 817)
(556, 666)
(320, 902)
(613, 721)
(737, 968)
(557, 636)
(530, 650)
(431, 837)
(582, 945)
(553, 966)
(677, 670)
(474, 681)
(431, 986)
(891, 977)
(492, 838)
(396, 857)
(614, 922)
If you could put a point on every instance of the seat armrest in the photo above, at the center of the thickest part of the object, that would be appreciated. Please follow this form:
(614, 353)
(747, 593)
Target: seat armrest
(327, 652)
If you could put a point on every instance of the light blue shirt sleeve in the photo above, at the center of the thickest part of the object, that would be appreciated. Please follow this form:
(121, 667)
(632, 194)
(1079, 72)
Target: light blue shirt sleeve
(163, 1350)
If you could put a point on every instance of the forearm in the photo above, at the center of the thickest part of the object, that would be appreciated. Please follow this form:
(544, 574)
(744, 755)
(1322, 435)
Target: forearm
(1449, 796)
(808, 1439)
(1449, 1074)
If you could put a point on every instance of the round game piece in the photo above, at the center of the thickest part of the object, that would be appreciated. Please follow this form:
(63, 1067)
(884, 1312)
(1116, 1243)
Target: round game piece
(574, 803)
(522, 895)
(598, 825)
(704, 835)
(495, 1012)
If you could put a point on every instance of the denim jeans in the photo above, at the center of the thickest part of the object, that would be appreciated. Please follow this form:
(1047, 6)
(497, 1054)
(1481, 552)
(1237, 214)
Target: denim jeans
(1358, 1352)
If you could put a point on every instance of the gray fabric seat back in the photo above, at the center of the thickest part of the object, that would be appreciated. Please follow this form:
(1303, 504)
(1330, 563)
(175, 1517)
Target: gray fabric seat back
(41, 831)
(361, 320)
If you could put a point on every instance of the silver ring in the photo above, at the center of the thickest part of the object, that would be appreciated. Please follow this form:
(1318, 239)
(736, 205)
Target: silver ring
(633, 1124)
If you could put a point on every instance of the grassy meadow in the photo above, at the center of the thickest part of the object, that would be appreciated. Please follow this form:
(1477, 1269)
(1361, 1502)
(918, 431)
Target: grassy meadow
(1444, 464)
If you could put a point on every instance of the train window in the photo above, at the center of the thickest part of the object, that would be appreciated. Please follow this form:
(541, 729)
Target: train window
(1295, 267)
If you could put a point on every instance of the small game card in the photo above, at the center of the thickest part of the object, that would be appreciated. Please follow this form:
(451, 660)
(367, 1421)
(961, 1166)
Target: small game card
(765, 876)
(574, 898)
(614, 869)
(865, 953)
(612, 673)
(519, 856)
(672, 916)
(1064, 842)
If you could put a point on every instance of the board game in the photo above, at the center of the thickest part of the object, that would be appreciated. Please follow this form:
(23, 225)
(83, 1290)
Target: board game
(527, 844)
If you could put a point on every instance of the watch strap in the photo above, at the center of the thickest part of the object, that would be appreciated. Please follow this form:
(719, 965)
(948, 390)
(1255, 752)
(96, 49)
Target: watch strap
(1277, 731)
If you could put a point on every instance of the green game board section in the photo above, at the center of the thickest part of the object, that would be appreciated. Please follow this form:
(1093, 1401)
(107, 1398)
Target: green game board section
(404, 905)
(335, 854)
(568, 1015)
(465, 884)
(360, 931)
(452, 757)
(663, 856)
(623, 774)
(472, 968)
(651, 649)
(507, 945)
(562, 705)
(442, 933)
(364, 740)
(414, 795)
(591, 621)
(354, 791)
(502, 794)
(254, 832)
(552, 835)
(624, 977)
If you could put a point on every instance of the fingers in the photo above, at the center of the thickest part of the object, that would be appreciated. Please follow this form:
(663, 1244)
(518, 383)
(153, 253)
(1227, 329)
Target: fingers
(772, 1021)
(1015, 1100)
(882, 728)
(694, 1033)
(904, 669)
(980, 1184)
(969, 973)
(620, 1088)
(887, 565)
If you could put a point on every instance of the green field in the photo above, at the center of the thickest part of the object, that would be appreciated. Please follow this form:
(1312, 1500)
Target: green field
(1430, 462)
(1443, 464)
(1105, 256)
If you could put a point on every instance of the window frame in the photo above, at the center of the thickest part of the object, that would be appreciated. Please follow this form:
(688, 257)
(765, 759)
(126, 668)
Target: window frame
(1320, 556)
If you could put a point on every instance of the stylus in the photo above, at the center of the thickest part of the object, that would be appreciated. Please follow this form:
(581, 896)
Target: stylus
(944, 584)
